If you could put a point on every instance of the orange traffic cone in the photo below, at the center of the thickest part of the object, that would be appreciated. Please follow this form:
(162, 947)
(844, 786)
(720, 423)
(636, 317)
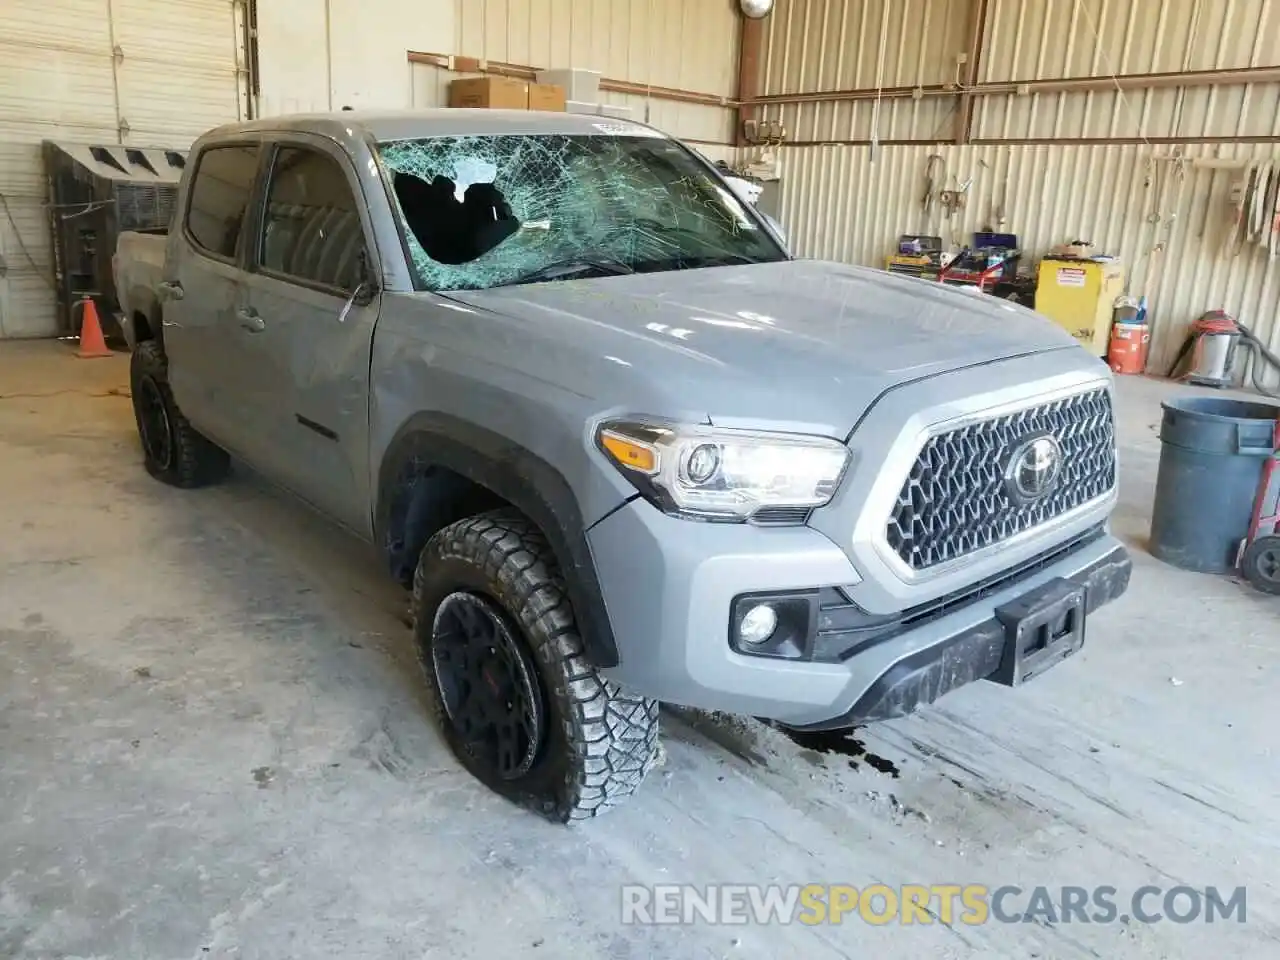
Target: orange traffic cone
(92, 343)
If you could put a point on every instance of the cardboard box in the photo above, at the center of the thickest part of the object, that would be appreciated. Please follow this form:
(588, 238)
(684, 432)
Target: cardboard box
(615, 111)
(493, 93)
(580, 106)
(546, 96)
(578, 84)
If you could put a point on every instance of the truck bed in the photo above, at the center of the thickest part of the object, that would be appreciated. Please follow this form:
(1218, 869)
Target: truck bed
(137, 267)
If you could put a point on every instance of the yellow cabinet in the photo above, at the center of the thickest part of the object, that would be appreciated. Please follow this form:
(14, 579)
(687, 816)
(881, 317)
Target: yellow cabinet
(1078, 295)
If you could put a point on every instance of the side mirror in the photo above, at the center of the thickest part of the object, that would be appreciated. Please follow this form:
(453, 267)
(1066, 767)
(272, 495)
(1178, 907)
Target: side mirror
(367, 289)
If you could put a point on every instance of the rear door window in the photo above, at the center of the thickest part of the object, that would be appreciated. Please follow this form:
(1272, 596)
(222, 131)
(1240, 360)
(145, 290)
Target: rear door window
(311, 232)
(220, 196)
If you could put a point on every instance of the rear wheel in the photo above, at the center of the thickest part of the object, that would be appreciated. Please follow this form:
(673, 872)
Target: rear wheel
(172, 450)
(518, 703)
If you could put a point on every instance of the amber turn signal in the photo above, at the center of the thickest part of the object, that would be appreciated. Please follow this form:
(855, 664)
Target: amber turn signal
(628, 453)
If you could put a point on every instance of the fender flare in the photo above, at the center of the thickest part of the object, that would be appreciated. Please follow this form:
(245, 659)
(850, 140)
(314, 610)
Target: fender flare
(144, 302)
(523, 479)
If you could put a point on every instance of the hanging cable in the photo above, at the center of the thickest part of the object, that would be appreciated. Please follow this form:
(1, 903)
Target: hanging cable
(1112, 72)
(932, 181)
(875, 110)
(13, 224)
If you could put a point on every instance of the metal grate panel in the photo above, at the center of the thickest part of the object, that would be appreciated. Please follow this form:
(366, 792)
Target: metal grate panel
(145, 207)
(780, 516)
(955, 502)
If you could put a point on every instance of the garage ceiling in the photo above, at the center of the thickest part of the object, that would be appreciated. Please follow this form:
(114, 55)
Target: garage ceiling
(141, 72)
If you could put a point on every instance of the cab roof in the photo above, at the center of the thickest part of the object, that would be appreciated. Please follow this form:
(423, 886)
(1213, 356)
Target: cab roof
(385, 125)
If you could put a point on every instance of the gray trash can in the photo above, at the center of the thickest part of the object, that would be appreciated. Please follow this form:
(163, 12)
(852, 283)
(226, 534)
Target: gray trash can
(1211, 454)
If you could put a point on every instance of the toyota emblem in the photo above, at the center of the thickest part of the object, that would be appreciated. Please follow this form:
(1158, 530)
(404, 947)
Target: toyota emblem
(1034, 469)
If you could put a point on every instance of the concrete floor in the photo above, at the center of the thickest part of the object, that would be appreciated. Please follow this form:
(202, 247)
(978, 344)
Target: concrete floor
(213, 743)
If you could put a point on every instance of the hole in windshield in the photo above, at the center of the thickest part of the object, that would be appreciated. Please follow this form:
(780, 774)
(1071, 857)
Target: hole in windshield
(488, 211)
(452, 230)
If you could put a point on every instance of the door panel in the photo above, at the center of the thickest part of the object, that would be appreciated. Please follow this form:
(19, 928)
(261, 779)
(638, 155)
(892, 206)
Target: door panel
(305, 340)
(315, 346)
(204, 288)
(195, 338)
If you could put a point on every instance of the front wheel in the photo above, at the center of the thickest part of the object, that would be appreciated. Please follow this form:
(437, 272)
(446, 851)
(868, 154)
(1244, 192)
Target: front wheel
(518, 703)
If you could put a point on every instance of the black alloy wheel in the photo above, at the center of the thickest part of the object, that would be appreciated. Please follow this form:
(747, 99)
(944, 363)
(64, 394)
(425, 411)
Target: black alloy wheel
(174, 451)
(153, 423)
(489, 685)
(517, 700)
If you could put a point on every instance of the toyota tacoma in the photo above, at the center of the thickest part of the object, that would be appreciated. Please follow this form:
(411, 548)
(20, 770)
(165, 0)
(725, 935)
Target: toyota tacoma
(620, 444)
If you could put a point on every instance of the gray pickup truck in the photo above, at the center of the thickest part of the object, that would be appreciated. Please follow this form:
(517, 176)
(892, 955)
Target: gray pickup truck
(623, 447)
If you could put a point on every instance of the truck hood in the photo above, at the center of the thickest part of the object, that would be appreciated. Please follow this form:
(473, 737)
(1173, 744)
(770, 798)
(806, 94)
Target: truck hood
(797, 344)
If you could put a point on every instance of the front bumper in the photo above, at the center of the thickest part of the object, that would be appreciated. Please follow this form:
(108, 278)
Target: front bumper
(669, 586)
(973, 654)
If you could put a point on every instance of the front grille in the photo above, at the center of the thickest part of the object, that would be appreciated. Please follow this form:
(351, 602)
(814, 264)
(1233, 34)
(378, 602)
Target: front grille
(955, 501)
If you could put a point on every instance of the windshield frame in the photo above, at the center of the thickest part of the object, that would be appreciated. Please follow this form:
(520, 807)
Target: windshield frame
(780, 250)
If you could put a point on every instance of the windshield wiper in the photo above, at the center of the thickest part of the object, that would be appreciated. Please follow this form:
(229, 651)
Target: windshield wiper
(729, 259)
(722, 260)
(571, 267)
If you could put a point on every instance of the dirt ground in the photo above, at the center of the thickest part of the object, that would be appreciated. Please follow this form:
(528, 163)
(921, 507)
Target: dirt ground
(214, 744)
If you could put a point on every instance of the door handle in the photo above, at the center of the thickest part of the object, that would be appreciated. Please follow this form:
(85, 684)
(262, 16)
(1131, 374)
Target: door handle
(250, 320)
(171, 290)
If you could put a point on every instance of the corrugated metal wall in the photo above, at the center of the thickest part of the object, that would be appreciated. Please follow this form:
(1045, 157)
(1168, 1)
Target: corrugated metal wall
(813, 45)
(830, 45)
(837, 203)
(1038, 40)
(685, 44)
(1165, 218)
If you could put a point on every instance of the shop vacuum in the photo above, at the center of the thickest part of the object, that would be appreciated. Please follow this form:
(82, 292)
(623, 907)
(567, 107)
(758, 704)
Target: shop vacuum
(1215, 339)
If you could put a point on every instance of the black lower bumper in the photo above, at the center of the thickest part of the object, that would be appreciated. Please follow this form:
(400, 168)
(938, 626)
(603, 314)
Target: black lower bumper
(974, 654)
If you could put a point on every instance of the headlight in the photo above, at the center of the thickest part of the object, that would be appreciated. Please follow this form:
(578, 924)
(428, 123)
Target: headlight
(712, 474)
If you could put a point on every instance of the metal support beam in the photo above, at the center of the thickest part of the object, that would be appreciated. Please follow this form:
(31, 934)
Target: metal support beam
(1132, 81)
(971, 72)
(750, 45)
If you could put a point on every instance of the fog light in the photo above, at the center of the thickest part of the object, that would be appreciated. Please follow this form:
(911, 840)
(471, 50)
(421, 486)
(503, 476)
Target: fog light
(758, 624)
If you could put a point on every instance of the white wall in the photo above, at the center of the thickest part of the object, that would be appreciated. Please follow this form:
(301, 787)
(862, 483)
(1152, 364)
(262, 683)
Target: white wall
(326, 54)
(690, 45)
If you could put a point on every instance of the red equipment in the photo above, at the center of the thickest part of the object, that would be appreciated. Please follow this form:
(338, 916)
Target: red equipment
(969, 270)
(1127, 352)
(1259, 555)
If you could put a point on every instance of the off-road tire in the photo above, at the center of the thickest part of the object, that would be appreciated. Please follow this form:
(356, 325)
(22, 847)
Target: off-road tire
(194, 460)
(599, 740)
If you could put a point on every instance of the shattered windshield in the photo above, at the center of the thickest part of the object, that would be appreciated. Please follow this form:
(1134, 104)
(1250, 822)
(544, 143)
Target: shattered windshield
(485, 211)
